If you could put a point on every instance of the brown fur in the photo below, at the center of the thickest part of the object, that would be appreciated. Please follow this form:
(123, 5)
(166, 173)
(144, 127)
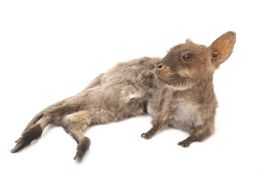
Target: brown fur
(120, 93)
(188, 100)
(176, 92)
(33, 133)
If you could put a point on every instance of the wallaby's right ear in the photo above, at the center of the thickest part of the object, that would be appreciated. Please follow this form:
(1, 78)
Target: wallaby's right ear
(222, 48)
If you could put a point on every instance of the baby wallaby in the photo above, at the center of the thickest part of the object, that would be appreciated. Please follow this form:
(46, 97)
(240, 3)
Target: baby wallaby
(186, 98)
(178, 90)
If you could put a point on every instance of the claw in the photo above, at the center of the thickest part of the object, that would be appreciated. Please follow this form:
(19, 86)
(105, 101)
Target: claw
(146, 136)
(82, 147)
(20, 145)
(79, 156)
(184, 143)
(149, 134)
(187, 141)
(32, 134)
(18, 140)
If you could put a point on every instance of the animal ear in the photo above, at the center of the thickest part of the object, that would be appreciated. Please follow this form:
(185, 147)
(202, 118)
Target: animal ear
(189, 41)
(222, 47)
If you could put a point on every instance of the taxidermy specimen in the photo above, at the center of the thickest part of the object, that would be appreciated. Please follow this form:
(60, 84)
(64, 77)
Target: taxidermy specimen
(176, 90)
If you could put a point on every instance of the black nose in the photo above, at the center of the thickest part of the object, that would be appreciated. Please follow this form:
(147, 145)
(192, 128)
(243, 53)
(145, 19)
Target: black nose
(159, 66)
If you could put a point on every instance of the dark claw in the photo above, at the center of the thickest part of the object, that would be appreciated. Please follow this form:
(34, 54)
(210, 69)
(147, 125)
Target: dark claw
(146, 135)
(82, 147)
(20, 145)
(79, 156)
(18, 140)
(32, 134)
(187, 141)
(184, 143)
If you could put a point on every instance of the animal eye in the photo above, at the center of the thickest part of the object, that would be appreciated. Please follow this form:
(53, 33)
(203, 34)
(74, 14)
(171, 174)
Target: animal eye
(187, 57)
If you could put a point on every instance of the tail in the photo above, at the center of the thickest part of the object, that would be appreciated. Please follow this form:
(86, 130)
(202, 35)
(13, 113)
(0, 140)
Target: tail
(35, 127)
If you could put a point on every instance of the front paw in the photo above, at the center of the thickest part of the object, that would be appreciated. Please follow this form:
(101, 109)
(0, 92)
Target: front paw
(188, 141)
(184, 143)
(146, 135)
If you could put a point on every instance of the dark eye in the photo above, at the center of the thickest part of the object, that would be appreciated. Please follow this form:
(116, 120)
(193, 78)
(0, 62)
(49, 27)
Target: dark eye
(187, 57)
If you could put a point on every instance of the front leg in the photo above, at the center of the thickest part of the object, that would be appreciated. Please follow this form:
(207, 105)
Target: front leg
(187, 141)
(157, 124)
(199, 134)
(149, 134)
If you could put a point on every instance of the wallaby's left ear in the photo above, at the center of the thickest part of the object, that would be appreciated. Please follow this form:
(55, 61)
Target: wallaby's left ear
(222, 47)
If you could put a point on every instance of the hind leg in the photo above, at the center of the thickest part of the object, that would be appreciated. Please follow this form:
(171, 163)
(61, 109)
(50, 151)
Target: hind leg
(76, 124)
(32, 133)
(83, 144)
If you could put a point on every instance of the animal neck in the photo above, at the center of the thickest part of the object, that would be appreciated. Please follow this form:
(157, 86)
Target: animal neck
(200, 92)
(204, 85)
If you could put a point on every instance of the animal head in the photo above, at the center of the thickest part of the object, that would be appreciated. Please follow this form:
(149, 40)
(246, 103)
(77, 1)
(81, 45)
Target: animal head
(189, 63)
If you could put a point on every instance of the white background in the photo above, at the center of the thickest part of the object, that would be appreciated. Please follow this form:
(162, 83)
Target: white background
(51, 49)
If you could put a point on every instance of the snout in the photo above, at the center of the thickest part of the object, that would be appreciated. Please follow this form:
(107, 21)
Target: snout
(163, 72)
(160, 70)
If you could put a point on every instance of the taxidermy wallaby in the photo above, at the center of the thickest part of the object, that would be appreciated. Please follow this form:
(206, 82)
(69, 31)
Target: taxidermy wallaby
(176, 91)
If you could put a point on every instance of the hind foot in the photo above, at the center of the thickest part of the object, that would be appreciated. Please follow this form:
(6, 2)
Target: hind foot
(25, 140)
(82, 147)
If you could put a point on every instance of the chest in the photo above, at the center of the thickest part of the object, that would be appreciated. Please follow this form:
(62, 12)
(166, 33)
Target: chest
(185, 115)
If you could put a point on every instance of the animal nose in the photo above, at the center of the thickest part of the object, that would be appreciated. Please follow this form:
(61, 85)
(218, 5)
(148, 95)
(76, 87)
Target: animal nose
(159, 66)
